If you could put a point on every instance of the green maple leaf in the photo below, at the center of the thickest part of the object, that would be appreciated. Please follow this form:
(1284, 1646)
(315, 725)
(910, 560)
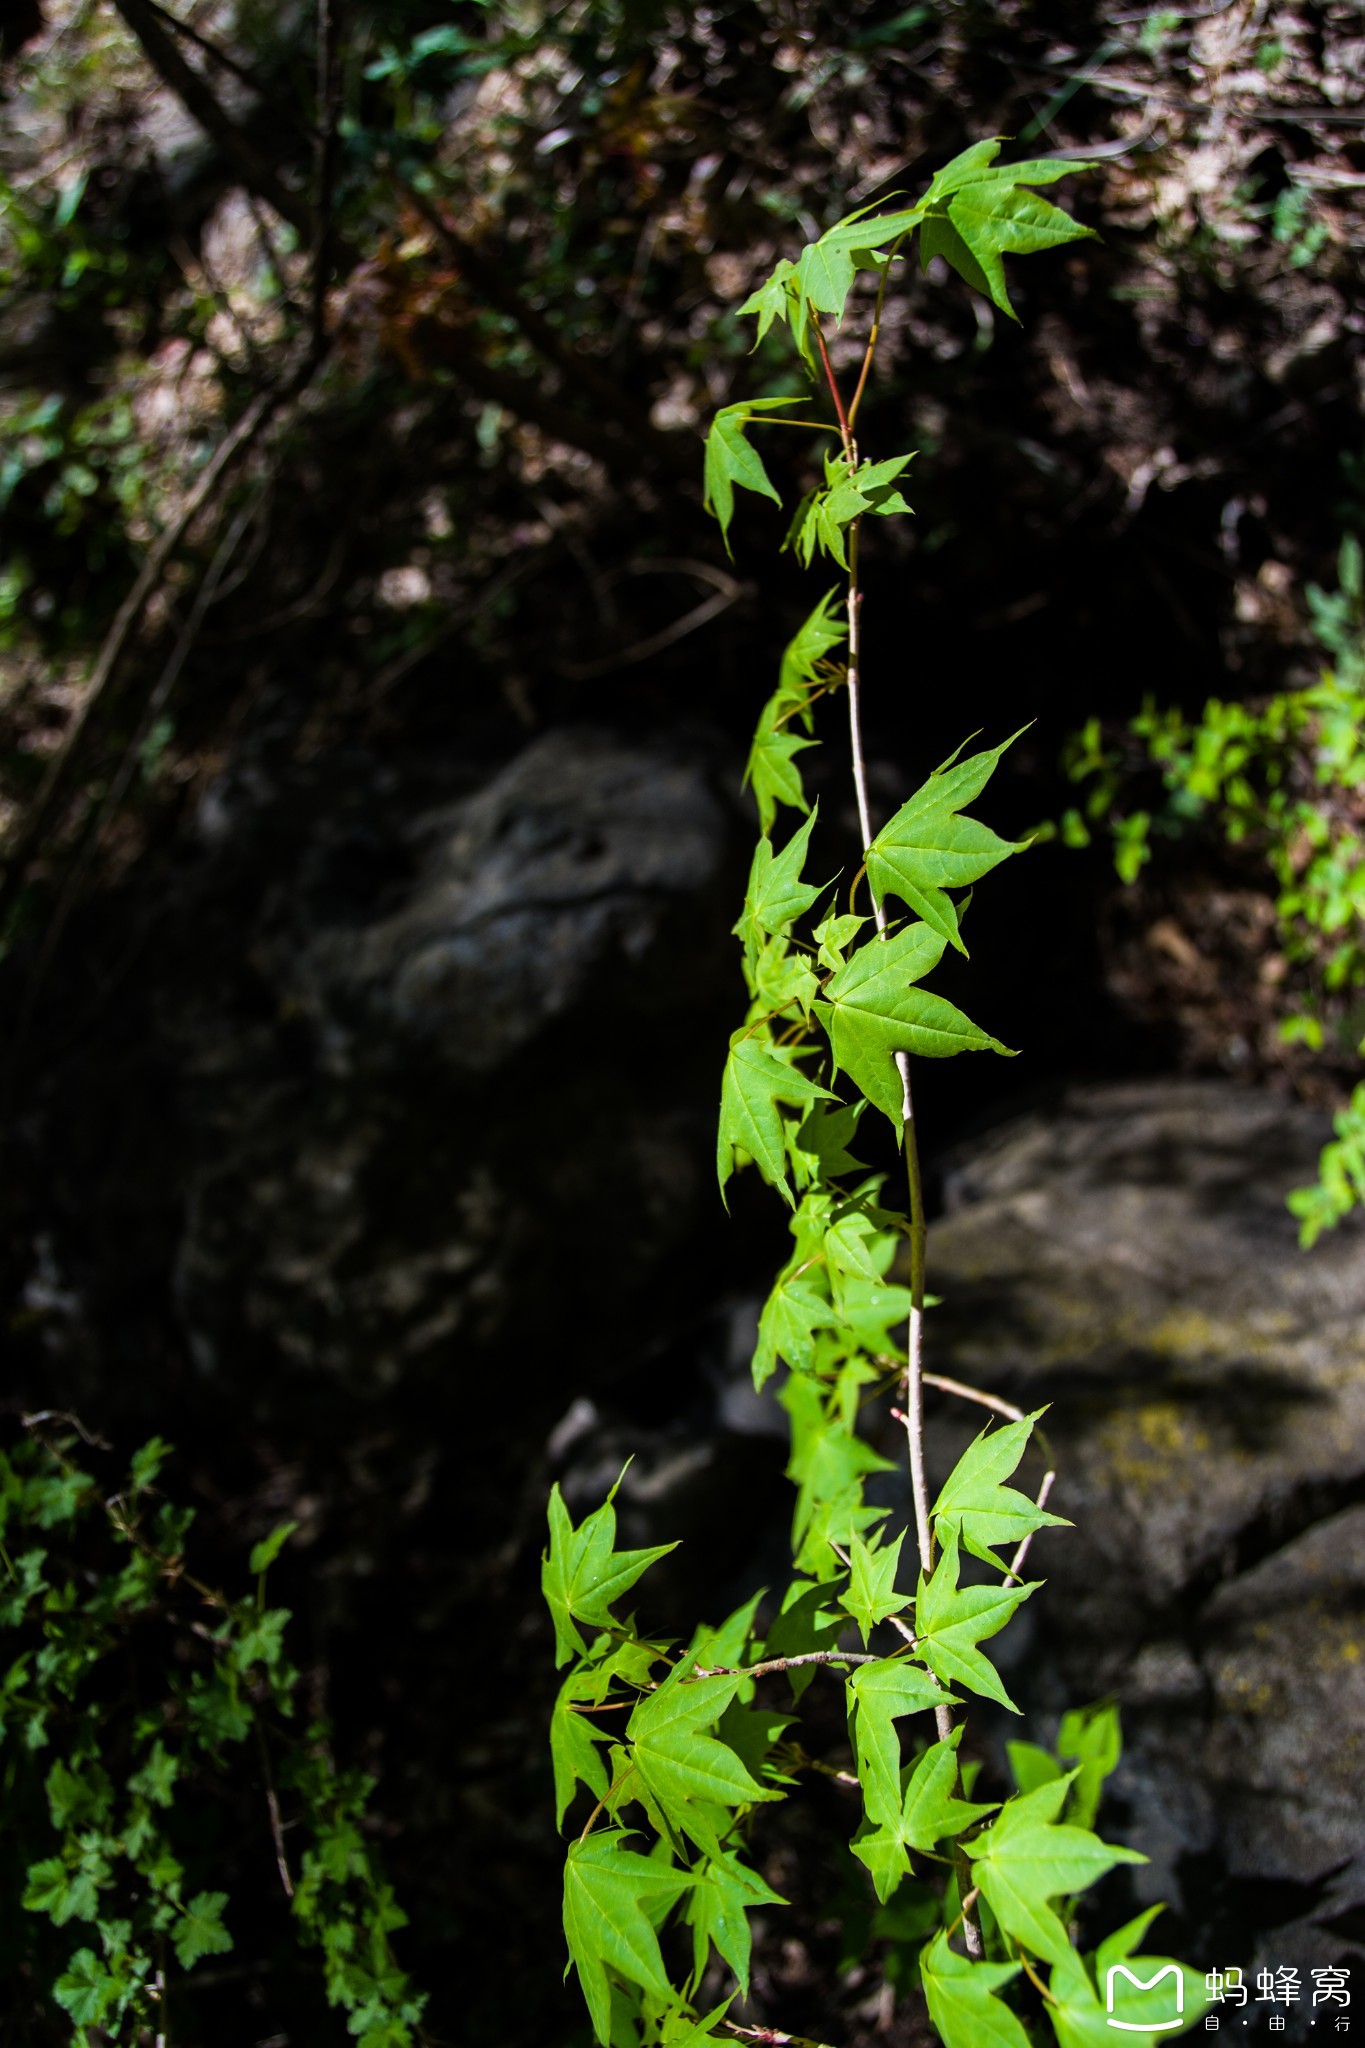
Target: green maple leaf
(574, 1736)
(930, 1811)
(685, 1770)
(962, 2001)
(835, 936)
(806, 1622)
(751, 1732)
(718, 1911)
(878, 1694)
(979, 212)
(801, 658)
(1132, 2002)
(776, 895)
(582, 1573)
(985, 1510)
(792, 1314)
(950, 1620)
(679, 2031)
(729, 1643)
(869, 1310)
(1026, 1857)
(872, 1010)
(829, 1462)
(928, 848)
(610, 1897)
(771, 300)
(883, 1854)
(781, 981)
(771, 770)
(200, 1931)
(855, 1248)
(1091, 1738)
(822, 517)
(730, 460)
(821, 1143)
(1081, 2019)
(997, 219)
(758, 1076)
(871, 1594)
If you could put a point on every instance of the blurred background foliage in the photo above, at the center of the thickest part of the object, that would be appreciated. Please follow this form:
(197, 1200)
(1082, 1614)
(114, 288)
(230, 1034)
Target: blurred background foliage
(353, 363)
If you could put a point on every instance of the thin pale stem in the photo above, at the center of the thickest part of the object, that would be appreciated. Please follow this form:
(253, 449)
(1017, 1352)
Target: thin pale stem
(914, 1380)
(871, 348)
(997, 1402)
(1017, 1561)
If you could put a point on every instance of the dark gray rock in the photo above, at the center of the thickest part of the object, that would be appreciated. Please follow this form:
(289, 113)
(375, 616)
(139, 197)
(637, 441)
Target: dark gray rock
(570, 857)
(1127, 1260)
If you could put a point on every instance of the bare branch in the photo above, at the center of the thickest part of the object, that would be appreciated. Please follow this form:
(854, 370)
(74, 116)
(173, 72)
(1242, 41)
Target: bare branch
(994, 1401)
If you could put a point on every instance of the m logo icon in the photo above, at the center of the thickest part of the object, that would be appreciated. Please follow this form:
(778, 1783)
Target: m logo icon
(1145, 2025)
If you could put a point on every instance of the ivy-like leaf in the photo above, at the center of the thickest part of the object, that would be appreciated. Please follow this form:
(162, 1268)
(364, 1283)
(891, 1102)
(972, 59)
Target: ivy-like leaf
(199, 1931)
(985, 1510)
(610, 1897)
(685, 1769)
(928, 848)
(878, 1694)
(1026, 1857)
(872, 1010)
(86, 1989)
(730, 460)
(582, 1573)
(758, 1076)
(951, 1620)
(264, 1553)
(962, 2001)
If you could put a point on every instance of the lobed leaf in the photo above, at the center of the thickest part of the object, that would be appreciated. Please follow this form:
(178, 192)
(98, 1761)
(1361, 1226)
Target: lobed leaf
(950, 1620)
(1026, 1858)
(730, 460)
(610, 1894)
(758, 1076)
(928, 848)
(871, 1010)
(582, 1573)
(686, 1770)
(878, 1694)
(962, 2000)
(985, 1511)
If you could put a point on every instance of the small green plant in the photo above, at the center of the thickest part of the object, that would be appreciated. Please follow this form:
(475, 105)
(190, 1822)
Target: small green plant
(127, 1688)
(1286, 779)
(675, 1749)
